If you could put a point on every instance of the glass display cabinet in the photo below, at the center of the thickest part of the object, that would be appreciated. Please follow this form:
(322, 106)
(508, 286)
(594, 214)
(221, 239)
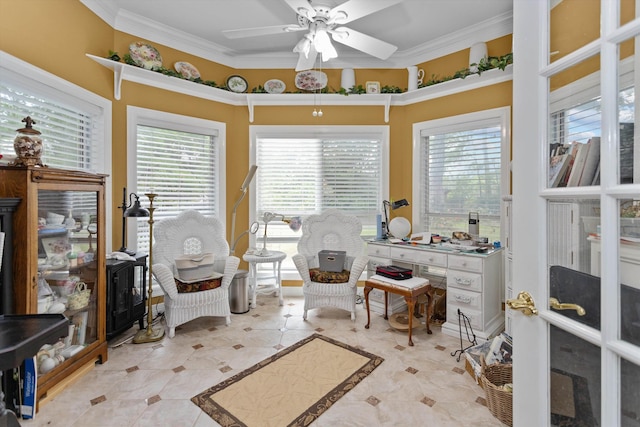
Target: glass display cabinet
(58, 264)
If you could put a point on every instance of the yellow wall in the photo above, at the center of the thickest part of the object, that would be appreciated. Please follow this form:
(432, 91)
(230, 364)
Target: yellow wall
(56, 35)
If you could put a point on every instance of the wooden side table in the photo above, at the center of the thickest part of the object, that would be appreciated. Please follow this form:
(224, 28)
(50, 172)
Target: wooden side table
(410, 289)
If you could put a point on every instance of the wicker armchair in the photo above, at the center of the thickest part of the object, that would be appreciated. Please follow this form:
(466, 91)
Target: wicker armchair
(331, 230)
(192, 233)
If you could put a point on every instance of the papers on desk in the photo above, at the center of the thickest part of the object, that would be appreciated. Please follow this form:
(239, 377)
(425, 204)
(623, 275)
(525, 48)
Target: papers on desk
(414, 282)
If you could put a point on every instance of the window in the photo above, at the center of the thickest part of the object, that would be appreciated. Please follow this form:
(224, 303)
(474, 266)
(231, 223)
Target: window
(73, 121)
(306, 170)
(179, 158)
(75, 124)
(460, 167)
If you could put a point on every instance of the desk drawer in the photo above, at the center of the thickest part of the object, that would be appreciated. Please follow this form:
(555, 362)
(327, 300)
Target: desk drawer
(403, 255)
(464, 299)
(432, 258)
(468, 263)
(378, 250)
(474, 316)
(464, 280)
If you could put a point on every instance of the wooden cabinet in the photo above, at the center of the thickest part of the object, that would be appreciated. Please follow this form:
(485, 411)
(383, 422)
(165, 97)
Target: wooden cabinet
(58, 247)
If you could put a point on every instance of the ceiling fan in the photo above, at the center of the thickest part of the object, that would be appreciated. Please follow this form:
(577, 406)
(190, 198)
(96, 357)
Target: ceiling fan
(322, 20)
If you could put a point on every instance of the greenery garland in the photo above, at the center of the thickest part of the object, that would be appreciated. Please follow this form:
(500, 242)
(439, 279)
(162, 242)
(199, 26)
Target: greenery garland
(485, 64)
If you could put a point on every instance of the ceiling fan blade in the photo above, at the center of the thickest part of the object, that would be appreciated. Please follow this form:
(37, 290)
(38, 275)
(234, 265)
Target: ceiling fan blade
(305, 63)
(367, 44)
(303, 8)
(354, 9)
(261, 31)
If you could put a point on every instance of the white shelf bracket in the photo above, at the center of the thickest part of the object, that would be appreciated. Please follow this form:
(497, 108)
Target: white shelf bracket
(250, 106)
(118, 71)
(387, 107)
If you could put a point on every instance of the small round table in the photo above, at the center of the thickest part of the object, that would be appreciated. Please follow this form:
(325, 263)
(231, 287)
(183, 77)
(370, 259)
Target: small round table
(273, 257)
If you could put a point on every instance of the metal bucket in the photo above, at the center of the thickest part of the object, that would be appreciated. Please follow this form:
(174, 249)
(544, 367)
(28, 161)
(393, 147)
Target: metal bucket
(239, 292)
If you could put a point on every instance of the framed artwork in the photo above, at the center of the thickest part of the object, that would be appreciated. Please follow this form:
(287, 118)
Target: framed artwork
(373, 87)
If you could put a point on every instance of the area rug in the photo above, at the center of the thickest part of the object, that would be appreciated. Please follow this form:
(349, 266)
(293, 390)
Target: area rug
(291, 388)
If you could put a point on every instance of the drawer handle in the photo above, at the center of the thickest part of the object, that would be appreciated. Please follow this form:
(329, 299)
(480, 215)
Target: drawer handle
(460, 298)
(461, 281)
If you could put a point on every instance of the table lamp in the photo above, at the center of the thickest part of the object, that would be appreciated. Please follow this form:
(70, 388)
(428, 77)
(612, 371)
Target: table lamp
(386, 205)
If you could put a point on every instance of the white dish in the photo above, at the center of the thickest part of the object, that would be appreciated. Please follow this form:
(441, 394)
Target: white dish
(311, 80)
(274, 86)
(145, 56)
(186, 70)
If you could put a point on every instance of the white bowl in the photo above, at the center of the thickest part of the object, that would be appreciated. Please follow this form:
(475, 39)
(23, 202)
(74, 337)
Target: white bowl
(54, 218)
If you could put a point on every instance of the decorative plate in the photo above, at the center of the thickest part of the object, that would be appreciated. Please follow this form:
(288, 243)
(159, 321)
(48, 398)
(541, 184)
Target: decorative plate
(274, 86)
(187, 70)
(145, 55)
(311, 80)
(237, 84)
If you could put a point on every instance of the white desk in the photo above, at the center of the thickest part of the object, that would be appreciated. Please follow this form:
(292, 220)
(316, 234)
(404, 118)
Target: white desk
(474, 282)
(275, 258)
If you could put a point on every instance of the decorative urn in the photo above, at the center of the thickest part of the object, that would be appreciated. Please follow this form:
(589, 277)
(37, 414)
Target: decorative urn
(28, 145)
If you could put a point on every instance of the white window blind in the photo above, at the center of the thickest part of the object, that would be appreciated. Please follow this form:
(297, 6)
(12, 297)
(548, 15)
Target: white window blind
(72, 134)
(304, 176)
(181, 168)
(461, 172)
(315, 170)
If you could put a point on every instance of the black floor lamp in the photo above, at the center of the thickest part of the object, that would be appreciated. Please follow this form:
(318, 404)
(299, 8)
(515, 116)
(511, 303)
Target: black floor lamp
(133, 209)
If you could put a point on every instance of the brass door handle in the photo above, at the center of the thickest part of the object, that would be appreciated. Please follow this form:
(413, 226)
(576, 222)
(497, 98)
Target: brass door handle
(557, 305)
(524, 302)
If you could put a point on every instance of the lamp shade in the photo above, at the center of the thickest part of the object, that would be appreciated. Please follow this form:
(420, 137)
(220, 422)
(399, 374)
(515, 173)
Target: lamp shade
(136, 210)
(399, 227)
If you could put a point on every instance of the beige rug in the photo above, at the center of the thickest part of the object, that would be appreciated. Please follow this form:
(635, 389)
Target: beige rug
(291, 388)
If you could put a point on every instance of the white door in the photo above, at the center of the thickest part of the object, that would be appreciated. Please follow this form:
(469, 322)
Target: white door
(577, 361)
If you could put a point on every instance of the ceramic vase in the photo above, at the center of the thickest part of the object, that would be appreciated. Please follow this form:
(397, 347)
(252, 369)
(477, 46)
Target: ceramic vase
(28, 145)
(477, 52)
(348, 79)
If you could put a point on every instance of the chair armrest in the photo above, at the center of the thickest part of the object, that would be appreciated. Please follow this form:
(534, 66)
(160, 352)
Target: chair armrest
(303, 267)
(230, 270)
(164, 276)
(357, 267)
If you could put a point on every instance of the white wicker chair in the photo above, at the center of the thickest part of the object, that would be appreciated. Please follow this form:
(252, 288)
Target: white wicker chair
(331, 230)
(192, 233)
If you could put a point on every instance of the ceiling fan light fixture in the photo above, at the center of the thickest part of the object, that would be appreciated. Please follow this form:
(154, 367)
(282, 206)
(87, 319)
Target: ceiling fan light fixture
(304, 46)
(323, 45)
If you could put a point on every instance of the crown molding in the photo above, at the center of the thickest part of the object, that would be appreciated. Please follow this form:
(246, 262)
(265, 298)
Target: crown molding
(148, 29)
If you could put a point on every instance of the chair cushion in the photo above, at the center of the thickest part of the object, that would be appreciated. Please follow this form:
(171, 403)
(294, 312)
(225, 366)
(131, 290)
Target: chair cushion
(202, 285)
(328, 276)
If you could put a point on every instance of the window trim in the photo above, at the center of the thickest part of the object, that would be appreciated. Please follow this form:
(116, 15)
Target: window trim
(148, 117)
(14, 69)
(446, 124)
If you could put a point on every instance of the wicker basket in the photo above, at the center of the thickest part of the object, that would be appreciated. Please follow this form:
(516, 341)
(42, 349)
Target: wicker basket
(80, 297)
(499, 401)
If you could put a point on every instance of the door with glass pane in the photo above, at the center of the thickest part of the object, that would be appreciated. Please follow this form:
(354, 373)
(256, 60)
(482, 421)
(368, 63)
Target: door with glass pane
(576, 214)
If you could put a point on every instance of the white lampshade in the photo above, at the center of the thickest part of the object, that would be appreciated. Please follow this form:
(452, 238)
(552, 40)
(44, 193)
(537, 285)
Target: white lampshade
(399, 227)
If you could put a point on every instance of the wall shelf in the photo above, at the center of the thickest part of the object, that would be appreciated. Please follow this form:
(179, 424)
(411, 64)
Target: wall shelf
(122, 71)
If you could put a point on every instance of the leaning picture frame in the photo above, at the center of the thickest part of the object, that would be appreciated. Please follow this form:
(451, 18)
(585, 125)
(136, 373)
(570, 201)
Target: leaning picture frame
(373, 87)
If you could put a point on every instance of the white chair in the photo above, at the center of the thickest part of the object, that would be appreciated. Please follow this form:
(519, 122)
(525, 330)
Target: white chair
(192, 233)
(331, 230)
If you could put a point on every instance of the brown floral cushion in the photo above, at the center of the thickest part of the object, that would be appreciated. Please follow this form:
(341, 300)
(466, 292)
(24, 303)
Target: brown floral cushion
(328, 276)
(202, 285)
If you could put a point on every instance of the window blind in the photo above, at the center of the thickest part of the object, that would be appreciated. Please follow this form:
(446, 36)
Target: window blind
(460, 173)
(181, 168)
(72, 132)
(304, 176)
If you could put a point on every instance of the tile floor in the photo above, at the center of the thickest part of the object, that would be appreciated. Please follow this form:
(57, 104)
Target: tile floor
(152, 384)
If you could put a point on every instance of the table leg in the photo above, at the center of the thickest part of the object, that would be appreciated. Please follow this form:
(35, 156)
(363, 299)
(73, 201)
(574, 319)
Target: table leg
(386, 303)
(279, 289)
(367, 289)
(253, 282)
(411, 304)
(429, 310)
